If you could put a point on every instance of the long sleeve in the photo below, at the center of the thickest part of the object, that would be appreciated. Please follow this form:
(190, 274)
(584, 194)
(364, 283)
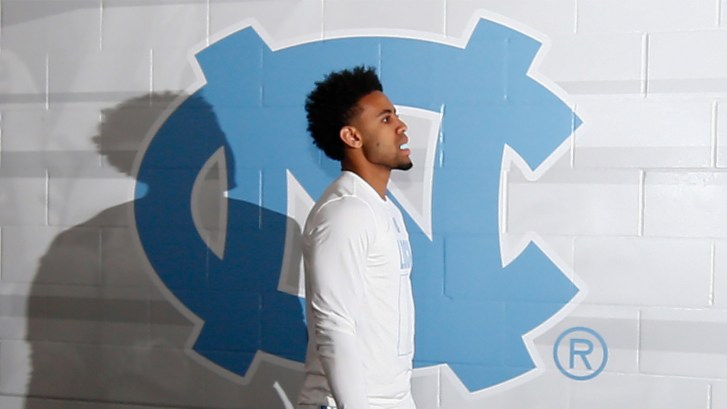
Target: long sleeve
(335, 263)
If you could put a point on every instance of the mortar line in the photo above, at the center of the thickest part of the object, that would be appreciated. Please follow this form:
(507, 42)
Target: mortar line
(260, 199)
(47, 81)
(642, 204)
(572, 156)
(208, 29)
(1, 257)
(504, 201)
(444, 14)
(712, 275)
(1, 138)
(714, 130)
(719, 13)
(151, 74)
(100, 24)
(323, 23)
(645, 64)
(638, 340)
(47, 197)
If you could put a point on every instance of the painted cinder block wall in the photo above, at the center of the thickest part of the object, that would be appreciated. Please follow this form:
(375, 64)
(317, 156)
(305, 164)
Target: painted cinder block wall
(631, 207)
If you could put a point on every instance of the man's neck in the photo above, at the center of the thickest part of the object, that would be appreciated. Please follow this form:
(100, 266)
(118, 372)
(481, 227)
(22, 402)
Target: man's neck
(377, 177)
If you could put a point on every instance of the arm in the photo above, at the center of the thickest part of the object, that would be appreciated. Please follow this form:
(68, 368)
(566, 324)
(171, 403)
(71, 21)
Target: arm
(335, 260)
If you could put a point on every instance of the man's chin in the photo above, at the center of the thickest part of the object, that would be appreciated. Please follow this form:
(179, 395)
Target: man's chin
(405, 166)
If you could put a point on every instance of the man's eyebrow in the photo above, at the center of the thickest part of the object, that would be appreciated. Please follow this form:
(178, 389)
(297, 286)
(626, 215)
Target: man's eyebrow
(386, 111)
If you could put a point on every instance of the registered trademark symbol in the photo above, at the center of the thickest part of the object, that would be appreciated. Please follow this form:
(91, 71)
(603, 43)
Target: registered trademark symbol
(580, 353)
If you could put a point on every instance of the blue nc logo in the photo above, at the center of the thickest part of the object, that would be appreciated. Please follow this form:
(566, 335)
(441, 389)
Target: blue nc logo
(248, 121)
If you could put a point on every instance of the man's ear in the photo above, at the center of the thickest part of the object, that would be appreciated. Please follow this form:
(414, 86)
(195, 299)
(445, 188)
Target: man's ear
(350, 136)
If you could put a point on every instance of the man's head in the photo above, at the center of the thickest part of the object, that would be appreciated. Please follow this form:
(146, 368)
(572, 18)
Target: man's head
(352, 120)
(334, 102)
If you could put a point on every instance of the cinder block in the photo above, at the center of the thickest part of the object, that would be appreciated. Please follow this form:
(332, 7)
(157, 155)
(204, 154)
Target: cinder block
(461, 348)
(181, 25)
(12, 402)
(169, 325)
(574, 202)
(103, 77)
(720, 148)
(286, 21)
(73, 126)
(460, 198)
(594, 64)
(272, 383)
(123, 262)
(100, 332)
(644, 271)
(645, 15)
(60, 137)
(530, 392)
(548, 18)
(43, 254)
(22, 197)
(425, 387)
(282, 88)
(719, 394)
(638, 133)
(83, 198)
(429, 285)
(72, 258)
(24, 81)
(14, 328)
(558, 248)
(618, 326)
(25, 130)
(140, 374)
(41, 25)
(13, 303)
(68, 162)
(32, 29)
(383, 15)
(173, 68)
(687, 62)
(13, 311)
(181, 260)
(15, 367)
(683, 343)
(685, 204)
(15, 402)
(125, 128)
(720, 274)
(473, 271)
(639, 391)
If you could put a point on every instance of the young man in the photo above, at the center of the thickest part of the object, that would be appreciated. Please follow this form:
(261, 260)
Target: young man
(356, 253)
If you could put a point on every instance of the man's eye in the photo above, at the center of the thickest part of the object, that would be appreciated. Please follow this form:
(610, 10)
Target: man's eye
(386, 119)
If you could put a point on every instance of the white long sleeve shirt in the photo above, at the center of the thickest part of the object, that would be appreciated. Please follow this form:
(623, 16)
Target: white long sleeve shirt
(359, 304)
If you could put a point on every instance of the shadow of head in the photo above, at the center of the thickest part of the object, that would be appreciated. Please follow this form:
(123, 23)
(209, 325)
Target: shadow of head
(125, 128)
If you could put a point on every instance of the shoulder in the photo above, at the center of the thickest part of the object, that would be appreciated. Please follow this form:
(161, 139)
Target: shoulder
(345, 210)
(344, 198)
(341, 218)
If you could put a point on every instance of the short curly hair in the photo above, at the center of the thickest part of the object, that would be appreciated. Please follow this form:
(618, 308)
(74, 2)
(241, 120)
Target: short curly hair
(333, 103)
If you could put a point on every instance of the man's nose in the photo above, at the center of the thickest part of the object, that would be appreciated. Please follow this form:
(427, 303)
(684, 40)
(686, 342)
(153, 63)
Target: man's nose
(403, 126)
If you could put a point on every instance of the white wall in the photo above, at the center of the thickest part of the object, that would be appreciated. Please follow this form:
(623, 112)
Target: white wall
(632, 207)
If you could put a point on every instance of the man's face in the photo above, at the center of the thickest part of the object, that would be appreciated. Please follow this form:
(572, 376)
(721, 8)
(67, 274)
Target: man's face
(383, 134)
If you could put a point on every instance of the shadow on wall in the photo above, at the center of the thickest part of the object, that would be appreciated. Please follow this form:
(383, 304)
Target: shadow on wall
(102, 328)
